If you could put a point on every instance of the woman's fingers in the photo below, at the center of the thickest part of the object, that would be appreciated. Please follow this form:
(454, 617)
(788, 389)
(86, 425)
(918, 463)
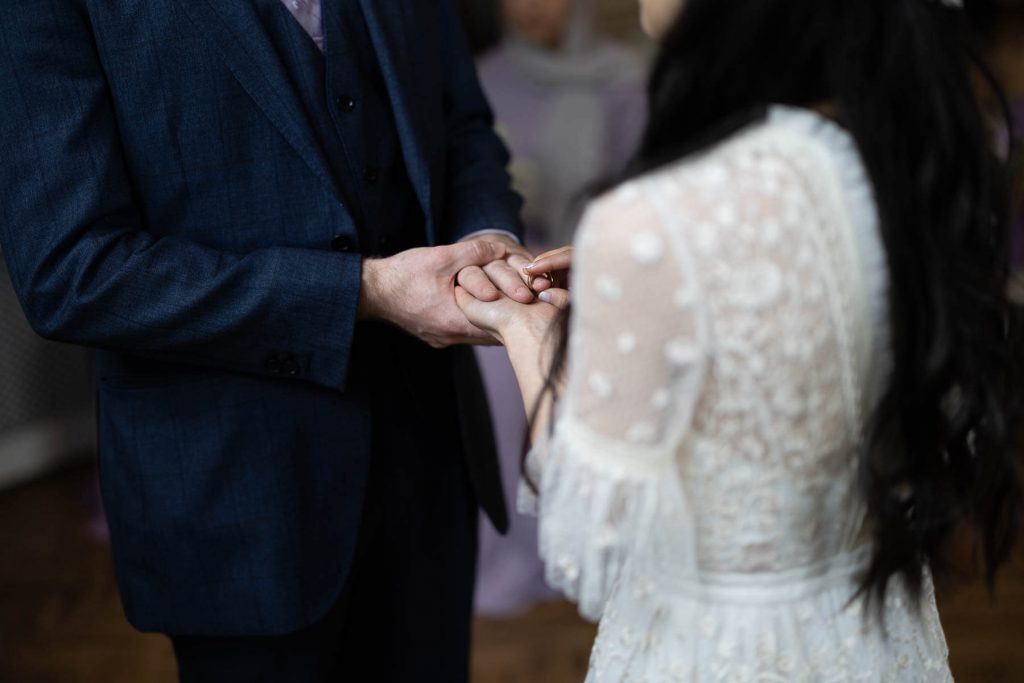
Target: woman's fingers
(553, 252)
(472, 307)
(552, 266)
(559, 298)
(556, 259)
(466, 301)
(479, 318)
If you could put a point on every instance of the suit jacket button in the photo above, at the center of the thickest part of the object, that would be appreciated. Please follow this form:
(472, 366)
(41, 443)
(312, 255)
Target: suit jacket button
(371, 175)
(342, 243)
(290, 367)
(274, 366)
(345, 104)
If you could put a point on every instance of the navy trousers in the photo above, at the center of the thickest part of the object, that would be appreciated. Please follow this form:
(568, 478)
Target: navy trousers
(405, 612)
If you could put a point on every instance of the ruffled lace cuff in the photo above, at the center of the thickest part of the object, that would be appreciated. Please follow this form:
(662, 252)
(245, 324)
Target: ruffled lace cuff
(592, 504)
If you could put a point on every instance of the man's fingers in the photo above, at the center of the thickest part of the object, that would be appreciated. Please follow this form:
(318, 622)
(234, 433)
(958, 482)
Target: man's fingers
(519, 254)
(518, 261)
(559, 298)
(513, 249)
(505, 278)
(476, 282)
(473, 253)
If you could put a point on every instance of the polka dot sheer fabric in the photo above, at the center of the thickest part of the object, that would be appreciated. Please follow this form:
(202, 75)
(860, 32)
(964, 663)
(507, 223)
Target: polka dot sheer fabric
(699, 494)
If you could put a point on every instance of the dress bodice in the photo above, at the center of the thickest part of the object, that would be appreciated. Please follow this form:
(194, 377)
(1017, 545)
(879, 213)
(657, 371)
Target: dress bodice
(699, 493)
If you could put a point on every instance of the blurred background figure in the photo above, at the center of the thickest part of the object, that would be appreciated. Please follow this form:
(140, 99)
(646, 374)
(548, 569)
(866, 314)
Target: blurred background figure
(569, 102)
(46, 414)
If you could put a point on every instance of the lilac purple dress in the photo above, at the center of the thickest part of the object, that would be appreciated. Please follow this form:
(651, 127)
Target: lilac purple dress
(570, 117)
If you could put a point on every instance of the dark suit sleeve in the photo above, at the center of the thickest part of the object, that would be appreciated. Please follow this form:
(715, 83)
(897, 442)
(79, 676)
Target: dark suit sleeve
(87, 268)
(479, 196)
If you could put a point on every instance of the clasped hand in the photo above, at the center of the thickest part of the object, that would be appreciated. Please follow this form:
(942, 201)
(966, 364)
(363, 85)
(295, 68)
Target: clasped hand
(414, 290)
(502, 315)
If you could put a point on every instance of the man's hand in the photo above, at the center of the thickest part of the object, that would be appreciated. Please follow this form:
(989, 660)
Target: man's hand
(490, 281)
(415, 290)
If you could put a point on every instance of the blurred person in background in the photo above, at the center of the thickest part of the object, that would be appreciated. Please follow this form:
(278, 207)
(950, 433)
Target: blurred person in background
(791, 371)
(569, 103)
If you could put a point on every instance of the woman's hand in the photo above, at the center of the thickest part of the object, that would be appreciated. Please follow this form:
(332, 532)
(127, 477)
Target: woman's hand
(523, 329)
(507, 320)
(550, 270)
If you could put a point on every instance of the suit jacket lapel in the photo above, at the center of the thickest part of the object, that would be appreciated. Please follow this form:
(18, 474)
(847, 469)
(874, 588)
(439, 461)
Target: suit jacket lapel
(386, 20)
(234, 27)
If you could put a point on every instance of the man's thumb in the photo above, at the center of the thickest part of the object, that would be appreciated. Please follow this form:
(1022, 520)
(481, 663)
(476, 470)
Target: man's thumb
(478, 252)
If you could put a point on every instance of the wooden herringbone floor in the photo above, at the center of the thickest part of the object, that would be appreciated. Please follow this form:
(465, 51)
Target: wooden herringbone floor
(60, 619)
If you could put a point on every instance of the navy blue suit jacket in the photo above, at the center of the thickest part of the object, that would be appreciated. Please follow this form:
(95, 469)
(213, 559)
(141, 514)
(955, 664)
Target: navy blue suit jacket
(163, 198)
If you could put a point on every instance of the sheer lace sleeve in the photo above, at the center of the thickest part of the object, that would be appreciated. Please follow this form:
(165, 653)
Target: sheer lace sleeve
(699, 492)
(636, 366)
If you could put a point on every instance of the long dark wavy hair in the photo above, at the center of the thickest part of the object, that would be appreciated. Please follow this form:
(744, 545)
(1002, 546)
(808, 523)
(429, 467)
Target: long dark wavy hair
(943, 451)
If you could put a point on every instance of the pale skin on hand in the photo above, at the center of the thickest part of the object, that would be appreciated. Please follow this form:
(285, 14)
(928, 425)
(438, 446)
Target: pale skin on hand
(414, 290)
(489, 281)
(550, 270)
(524, 330)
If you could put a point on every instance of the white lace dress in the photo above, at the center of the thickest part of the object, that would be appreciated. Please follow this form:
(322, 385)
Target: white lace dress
(699, 493)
